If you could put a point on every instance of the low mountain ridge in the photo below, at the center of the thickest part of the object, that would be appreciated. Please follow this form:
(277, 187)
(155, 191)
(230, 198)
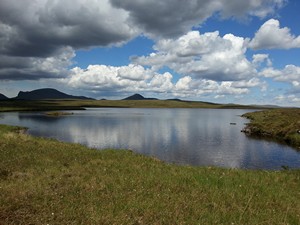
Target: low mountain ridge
(47, 93)
(3, 97)
(138, 97)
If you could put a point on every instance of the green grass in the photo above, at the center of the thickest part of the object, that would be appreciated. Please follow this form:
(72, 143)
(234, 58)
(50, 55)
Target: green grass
(279, 124)
(45, 105)
(44, 181)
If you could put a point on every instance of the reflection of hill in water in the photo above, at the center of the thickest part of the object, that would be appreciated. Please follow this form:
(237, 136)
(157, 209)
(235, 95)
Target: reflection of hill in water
(39, 117)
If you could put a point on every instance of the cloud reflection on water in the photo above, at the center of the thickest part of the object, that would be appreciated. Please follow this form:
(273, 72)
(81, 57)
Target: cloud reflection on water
(186, 136)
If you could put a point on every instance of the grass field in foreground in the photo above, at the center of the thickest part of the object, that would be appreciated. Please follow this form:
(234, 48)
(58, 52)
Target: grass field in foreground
(44, 181)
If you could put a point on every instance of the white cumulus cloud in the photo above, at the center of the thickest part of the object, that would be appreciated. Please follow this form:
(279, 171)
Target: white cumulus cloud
(131, 78)
(203, 56)
(289, 74)
(259, 59)
(40, 29)
(107, 79)
(288, 99)
(271, 36)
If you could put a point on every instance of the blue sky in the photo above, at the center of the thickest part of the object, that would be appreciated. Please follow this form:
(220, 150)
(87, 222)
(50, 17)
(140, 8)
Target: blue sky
(219, 51)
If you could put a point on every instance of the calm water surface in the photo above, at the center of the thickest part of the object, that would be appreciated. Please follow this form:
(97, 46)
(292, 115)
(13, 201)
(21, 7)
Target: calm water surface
(202, 137)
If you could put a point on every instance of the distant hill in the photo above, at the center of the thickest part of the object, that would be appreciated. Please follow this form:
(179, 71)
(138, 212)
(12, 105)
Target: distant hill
(3, 97)
(267, 106)
(138, 97)
(174, 99)
(46, 93)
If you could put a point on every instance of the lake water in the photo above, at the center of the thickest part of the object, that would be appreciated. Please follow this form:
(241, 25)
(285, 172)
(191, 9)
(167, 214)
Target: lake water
(201, 137)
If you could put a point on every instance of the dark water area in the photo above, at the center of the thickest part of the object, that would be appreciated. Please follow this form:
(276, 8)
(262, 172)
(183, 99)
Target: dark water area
(201, 137)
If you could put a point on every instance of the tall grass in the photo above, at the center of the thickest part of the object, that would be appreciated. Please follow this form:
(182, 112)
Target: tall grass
(280, 124)
(44, 181)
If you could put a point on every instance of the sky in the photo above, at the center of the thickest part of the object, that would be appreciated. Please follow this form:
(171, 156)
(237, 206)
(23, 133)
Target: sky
(223, 51)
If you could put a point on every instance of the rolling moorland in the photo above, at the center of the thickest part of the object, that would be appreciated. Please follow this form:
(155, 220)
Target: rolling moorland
(51, 99)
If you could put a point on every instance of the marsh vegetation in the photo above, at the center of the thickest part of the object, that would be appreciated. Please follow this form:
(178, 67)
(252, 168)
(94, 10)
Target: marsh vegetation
(279, 124)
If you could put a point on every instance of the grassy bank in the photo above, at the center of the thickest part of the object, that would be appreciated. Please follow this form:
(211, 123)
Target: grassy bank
(44, 181)
(45, 105)
(280, 124)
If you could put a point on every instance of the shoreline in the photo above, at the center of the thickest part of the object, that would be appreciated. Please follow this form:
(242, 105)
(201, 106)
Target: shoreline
(281, 125)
